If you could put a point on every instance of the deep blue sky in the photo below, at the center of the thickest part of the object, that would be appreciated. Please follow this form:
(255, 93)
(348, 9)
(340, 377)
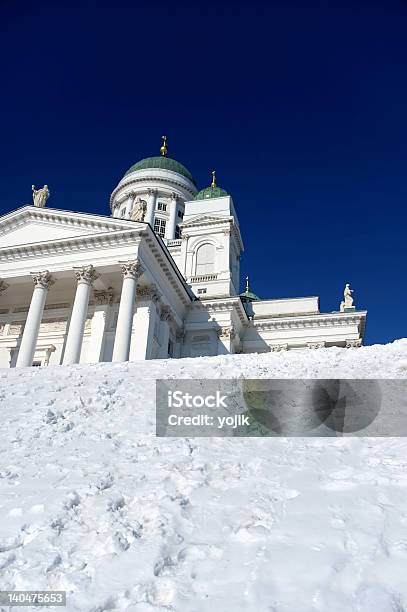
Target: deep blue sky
(300, 106)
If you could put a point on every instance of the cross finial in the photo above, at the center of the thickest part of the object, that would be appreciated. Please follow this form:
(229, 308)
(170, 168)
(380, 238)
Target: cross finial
(164, 148)
(213, 185)
(247, 283)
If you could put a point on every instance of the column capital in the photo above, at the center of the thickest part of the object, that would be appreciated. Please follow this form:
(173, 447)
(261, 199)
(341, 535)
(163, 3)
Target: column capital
(86, 274)
(42, 279)
(151, 192)
(165, 313)
(174, 197)
(131, 269)
(276, 348)
(3, 286)
(226, 332)
(180, 336)
(354, 343)
(104, 297)
(148, 292)
(316, 345)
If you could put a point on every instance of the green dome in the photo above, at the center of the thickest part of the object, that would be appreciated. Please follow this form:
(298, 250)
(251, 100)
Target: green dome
(163, 163)
(248, 295)
(211, 192)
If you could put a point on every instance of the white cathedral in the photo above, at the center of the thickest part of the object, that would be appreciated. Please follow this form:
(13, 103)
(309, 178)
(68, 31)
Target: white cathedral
(157, 278)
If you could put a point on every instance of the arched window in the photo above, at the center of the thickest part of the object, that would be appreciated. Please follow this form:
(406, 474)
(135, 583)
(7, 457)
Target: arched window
(205, 260)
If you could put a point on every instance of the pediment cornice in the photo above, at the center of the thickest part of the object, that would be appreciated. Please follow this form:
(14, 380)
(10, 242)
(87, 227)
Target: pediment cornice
(225, 223)
(70, 245)
(200, 220)
(82, 221)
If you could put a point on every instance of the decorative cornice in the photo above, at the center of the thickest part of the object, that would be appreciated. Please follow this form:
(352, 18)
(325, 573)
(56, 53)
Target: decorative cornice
(310, 321)
(42, 279)
(86, 274)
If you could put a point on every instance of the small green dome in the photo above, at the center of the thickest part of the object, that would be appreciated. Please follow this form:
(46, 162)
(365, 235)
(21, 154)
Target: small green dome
(163, 163)
(248, 295)
(211, 192)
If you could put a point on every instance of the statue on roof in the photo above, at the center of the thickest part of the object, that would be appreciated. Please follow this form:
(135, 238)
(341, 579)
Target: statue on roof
(40, 196)
(348, 299)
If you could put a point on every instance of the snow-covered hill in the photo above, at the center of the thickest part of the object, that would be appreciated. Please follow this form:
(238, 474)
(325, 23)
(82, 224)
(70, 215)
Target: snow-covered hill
(93, 503)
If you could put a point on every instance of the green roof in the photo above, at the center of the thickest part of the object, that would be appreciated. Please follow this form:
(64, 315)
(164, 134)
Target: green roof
(211, 192)
(163, 163)
(249, 296)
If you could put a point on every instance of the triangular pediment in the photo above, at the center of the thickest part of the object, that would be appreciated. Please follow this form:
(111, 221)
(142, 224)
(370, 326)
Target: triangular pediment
(29, 225)
(204, 218)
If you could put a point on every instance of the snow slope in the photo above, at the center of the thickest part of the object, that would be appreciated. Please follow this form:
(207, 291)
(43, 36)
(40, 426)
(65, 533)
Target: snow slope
(93, 503)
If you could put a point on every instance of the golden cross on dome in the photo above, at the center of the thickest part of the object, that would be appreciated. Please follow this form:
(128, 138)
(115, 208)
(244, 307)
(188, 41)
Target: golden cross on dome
(164, 148)
(213, 185)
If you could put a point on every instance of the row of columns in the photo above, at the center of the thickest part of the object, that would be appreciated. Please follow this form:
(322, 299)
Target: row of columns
(85, 276)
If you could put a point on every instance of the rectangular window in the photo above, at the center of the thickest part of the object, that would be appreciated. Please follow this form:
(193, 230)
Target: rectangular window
(159, 227)
(180, 214)
(162, 206)
(200, 291)
(177, 232)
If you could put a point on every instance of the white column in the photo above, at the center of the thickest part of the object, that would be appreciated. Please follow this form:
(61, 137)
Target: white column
(172, 221)
(103, 304)
(165, 318)
(151, 203)
(131, 272)
(129, 205)
(42, 282)
(85, 277)
(145, 323)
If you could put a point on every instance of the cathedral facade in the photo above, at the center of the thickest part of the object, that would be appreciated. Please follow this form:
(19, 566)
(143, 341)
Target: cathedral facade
(157, 278)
